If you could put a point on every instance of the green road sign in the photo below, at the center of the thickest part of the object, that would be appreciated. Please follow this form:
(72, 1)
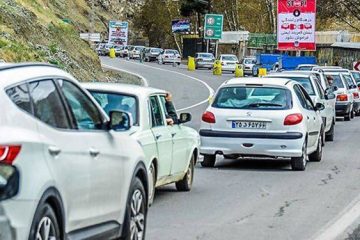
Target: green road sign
(213, 26)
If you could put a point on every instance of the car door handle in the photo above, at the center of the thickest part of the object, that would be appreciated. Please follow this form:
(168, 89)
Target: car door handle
(94, 152)
(157, 136)
(173, 134)
(54, 150)
(308, 117)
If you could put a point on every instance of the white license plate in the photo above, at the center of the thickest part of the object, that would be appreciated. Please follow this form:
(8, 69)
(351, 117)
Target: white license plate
(248, 125)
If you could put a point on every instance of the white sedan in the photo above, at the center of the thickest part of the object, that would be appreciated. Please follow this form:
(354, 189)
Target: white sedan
(171, 151)
(262, 117)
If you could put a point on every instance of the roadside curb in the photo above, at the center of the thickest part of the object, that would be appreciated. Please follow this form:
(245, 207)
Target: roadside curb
(143, 80)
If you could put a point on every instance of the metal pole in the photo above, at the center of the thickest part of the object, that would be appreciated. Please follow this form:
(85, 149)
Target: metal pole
(216, 48)
(207, 45)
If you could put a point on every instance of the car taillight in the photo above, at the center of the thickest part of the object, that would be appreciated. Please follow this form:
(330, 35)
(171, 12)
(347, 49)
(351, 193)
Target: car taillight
(293, 119)
(208, 117)
(356, 95)
(342, 98)
(9, 153)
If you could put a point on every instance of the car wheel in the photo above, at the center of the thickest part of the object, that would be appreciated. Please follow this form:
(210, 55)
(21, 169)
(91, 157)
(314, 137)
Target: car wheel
(317, 155)
(330, 134)
(136, 211)
(299, 163)
(347, 117)
(45, 224)
(209, 161)
(186, 183)
(152, 183)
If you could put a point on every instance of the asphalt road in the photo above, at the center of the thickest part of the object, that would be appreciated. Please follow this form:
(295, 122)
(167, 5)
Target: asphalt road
(257, 199)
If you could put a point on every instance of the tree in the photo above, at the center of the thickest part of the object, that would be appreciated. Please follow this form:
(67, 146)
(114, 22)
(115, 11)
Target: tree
(189, 8)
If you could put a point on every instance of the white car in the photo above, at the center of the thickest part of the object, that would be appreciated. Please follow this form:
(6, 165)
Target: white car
(169, 56)
(79, 176)
(135, 52)
(228, 62)
(306, 67)
(312, 85)
(262, 117)
(247, 64)
(170, 151)
(344, 96)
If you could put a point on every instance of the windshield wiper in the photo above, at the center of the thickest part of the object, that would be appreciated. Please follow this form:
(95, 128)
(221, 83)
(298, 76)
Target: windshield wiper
(258, 104)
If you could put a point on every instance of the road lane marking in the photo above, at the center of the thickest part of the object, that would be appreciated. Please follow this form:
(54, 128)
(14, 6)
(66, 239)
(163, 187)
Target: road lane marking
(339, 225)
(144, 81)
(211, 91)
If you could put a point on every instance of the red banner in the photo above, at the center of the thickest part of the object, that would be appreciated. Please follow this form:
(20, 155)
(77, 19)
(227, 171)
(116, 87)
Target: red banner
(296, 25)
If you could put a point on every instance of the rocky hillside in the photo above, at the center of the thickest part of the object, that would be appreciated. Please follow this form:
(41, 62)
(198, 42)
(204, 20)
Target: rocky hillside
(48, 31)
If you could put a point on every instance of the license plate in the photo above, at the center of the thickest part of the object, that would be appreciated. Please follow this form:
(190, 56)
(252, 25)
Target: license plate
(248, 125)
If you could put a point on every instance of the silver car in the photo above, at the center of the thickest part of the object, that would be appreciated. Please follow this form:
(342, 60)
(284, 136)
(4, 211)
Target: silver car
(270, 118)
(204, 60)
(247, 64)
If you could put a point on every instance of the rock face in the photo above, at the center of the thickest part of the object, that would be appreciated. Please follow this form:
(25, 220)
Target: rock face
(44, 30)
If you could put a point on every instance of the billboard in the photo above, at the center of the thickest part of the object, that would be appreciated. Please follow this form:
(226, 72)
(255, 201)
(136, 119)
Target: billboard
(118, 32)
(296, 25)
(180, 25)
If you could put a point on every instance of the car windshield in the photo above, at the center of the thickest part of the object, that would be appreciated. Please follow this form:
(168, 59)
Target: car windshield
(229, 58)
(171, 52)
(336, 80)
(138, 48)
(305, 82)
(305, 68)
(348, 80)
(155, 50)
(356, 75)
(117, 101)
(206, 55)
(254, 98)
(249, 61)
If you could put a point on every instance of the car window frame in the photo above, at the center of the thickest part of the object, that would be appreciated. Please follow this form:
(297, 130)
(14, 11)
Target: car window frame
(301, 97)
(308, 98)
(28, 89)
(318, 88)
(75, 125)
(152, 114)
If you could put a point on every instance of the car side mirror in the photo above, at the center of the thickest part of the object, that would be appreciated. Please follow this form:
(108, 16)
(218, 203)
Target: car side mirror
(9, 181)
(120, 121)
(319, 107)
(329, 96)
(335, 88)
(185, 117)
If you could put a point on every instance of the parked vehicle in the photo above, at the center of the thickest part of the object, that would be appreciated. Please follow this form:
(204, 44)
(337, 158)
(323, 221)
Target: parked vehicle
(151, 54)
(125, 52)
(135, 51)
(169, 56)
(344, 98)
(247, 65)
(118, 50)
(79, 175)
(354, 90)
(204, 60)
(306, 67)
(171, 151)
(262, 117)
(228, 62)
(100, 49)
(106, 49)
(313, 87)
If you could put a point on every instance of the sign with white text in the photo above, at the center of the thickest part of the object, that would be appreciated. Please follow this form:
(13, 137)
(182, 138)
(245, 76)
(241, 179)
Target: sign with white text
(296, 25)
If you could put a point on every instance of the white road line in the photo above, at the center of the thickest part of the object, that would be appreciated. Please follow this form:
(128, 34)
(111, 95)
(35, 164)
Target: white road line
(211, 91)
(144, 81)
(339, 225)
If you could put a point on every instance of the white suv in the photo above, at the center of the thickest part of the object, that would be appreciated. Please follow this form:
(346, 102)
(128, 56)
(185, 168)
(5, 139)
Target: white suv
(79, 177)
(262, 117)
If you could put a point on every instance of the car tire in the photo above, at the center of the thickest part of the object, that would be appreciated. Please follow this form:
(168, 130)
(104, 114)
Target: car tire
(152, 184)
(352, 114)
(317, 155)
(135, 219)
(347, 117)
(45, 218)
(330, 134)
(178, 64)
(299, 163)
(209, 161)
(185, 184)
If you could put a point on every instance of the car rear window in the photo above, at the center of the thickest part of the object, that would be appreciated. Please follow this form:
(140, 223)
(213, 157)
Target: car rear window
(356, 75)
(253, 97)
(305, 68)
(249, 61)
(229, 58)
(155, 50)
(205, 55)
(171, 52)
(337, 80)
(117, 101)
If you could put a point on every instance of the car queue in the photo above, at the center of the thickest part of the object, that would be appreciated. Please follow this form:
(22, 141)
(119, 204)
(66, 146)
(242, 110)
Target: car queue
(131, 137)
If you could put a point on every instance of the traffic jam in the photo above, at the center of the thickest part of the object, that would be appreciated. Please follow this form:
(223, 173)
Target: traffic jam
(101, 150)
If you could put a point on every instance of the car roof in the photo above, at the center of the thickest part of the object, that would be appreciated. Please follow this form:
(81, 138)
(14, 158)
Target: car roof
(228, 55)
(130, 89)
(258, 80)
(12, 73)
(302, 72)
(292, 74)
(308, 65)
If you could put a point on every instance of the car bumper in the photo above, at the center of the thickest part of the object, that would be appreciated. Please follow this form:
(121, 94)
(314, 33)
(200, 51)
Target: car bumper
(342, 108)
(135, 56)
(357, 106)
(229, 68)
(248, 71)
(287, 144)
(204, 64)
(6, 231)
(172, 60)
